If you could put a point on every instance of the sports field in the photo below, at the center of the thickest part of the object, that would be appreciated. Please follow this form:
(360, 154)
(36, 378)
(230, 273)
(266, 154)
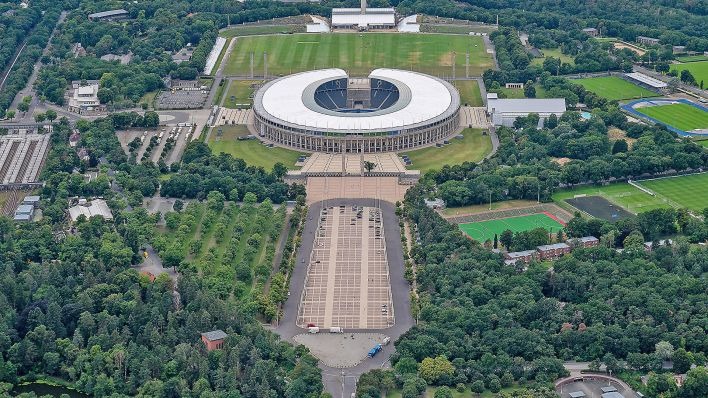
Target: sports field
(473, 147)
(699, 70)
(358, 54)
(614, 88)
(483, 230)
(682, 116)
(622, 194)
(692, 58)
(687, 191)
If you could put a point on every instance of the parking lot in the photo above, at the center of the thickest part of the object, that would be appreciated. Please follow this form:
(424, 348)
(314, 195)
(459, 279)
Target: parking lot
(181, 99)
(591, 386)
(179, 137)
(347, 283)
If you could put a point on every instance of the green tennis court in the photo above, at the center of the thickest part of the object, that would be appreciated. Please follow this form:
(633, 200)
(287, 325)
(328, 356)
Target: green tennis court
(483, 230)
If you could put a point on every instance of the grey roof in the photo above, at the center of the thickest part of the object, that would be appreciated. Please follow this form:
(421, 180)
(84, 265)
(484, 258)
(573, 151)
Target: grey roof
(608, 389)
(527, 105)
(22, 217)
(521, 253)
(613, 394)
(31, 199)
(584, 239)
(576, 394)
(24, 209)
(215, 335)
(553, 246)
(110, 13)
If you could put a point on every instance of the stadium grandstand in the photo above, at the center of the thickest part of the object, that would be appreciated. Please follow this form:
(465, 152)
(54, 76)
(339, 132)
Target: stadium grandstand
(363, 18)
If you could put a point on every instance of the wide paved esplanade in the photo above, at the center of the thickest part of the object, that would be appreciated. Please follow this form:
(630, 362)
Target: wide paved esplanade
(327, 111)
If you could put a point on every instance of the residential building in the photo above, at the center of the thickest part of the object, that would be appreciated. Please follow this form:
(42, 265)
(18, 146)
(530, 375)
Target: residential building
(214, 340)
(525, 256)
(585, 241)
(551, 252)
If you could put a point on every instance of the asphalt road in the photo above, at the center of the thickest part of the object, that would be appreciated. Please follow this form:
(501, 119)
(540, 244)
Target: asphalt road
(342, 383)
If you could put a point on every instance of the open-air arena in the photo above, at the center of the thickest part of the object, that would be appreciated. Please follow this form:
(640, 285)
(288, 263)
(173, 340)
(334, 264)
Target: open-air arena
(330, 111)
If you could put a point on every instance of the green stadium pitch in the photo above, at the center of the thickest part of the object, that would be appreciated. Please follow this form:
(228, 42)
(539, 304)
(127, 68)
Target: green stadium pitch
(688, 191)
(483, 230)
(359, 53)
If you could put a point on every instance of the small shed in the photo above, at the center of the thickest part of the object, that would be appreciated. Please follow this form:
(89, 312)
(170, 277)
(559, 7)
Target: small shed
(214, 340)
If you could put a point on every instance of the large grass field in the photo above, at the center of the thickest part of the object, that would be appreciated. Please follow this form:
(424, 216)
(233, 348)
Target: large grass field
(359, 53)
(473, 147)
(699, 70)
(469, 92)
(249, 30)
(614, 88)
(688, 191)
(621, 194)
(483, 230)
(474, 209)
(252, 151)
(239, 93)
(682, 116)
(692, 58)
(555, 53)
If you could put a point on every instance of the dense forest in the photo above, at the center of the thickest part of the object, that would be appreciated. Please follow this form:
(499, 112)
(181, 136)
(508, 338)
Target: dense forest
(486, 324)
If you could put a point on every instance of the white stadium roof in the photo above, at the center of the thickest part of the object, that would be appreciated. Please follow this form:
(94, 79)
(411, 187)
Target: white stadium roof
(427, 98)
(372, 16)
(648, 80)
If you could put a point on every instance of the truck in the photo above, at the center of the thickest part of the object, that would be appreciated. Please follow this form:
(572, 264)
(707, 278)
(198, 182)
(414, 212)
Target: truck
(336, 329)
(313, 329)
(372, 353)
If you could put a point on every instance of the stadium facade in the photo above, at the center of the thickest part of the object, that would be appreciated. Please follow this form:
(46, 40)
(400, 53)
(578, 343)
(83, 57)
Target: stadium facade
(327, 111)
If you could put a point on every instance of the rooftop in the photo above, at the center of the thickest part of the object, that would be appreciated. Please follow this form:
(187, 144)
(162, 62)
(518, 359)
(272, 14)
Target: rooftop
(613, 394)
(372, 16)
(553, 246)
(526, 105)
(97, 207)
(648, 80)
(215, 335)
(110, 13)
(523, 253)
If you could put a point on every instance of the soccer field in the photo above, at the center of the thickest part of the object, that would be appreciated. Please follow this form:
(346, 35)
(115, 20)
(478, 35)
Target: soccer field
(687, 191)
(614, 88)
(483, 230)
(358, 54)
(621, 194)
(699, 70)
(682, 116)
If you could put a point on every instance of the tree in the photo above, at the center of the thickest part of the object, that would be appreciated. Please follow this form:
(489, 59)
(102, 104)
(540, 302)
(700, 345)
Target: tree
(105, 95)
(51, 115)
(369, 166)
(443, 392)
(151, 119)
(664, 350)
(687, 77)
(10, 114)
(477, 386)
(23, 107)
(433, 369)
(178, 206)
(40, 117)
(696, 383)
(507, 238)
(658, 384)
(496, 241)
(250, 198)
(620, 146)
(529, 90)
(681, 360)
(215, 201)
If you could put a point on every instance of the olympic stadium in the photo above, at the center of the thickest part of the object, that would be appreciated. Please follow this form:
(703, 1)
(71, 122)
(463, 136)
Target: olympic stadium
(329, 111)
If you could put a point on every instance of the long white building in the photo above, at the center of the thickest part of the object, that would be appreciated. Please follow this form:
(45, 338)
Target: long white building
(504, 112)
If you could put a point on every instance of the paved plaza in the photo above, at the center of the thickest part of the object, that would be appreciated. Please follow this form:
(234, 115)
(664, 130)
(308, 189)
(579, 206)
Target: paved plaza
(347, 283)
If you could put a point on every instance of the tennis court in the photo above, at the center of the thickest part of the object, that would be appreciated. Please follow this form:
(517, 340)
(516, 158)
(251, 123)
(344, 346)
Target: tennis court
(483, 230)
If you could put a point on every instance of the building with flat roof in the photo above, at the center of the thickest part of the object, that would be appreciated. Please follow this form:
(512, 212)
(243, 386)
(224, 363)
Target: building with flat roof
(363, 18)
(590, 32)
(549, 252)
(96, 207)
(585, 241)
(84, 99)
(525, 256)
(504, 112)
(111, 15)
(649, 41)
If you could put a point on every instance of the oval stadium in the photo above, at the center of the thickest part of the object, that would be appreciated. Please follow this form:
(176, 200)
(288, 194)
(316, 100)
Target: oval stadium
(328, 111)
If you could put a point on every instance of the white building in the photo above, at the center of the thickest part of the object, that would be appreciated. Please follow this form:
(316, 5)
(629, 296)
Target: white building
(363, 18)
(96, 207)
(84, 98)
(504, 112)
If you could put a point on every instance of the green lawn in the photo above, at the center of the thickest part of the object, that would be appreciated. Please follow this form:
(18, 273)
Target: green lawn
(517, 93)
(469, 92)
(261, 30)
(621, 194)
(699, 70)
(359, 53)
(692, 58)
(474, 209)
(252, 151)
(703, 143)
(239, 93)
(682, 116)
(687, 191)
(473, 147)
(555, 53)
(614, 88)
(484, 230)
